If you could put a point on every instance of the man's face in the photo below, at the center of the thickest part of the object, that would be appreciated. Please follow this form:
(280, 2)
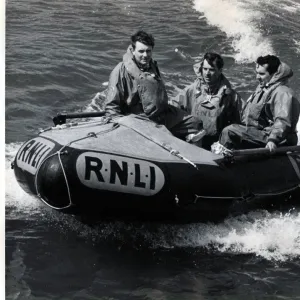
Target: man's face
(142, 53)
(262, 75)
(210, 73)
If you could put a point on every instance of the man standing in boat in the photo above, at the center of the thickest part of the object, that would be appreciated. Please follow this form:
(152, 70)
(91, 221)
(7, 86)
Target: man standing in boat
(136, 87)
(270, 115)
(210, 98)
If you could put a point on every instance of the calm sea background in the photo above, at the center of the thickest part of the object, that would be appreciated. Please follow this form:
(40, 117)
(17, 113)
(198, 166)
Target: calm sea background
(59, 55)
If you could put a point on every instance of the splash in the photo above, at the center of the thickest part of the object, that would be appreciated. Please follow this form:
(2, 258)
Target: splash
(97, 102)
(275, 237)
(15, 197)
(240, 21)
(297, 45)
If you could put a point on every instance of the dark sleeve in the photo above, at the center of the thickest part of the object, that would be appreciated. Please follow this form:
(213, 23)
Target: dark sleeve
(115, 99)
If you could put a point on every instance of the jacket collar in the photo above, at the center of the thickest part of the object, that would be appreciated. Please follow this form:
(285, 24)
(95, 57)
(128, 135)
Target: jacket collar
(132, 67)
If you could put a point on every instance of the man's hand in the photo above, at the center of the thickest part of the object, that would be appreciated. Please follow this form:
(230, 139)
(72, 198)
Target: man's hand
(271, 146)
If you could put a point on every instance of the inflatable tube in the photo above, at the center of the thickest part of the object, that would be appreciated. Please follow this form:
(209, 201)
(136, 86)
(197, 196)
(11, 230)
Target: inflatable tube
(132, 167)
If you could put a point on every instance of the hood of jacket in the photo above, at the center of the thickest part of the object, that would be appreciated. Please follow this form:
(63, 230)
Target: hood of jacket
(282, 75)
(197, 68)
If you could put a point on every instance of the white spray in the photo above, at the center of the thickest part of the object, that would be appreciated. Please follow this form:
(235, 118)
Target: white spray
(241, 23)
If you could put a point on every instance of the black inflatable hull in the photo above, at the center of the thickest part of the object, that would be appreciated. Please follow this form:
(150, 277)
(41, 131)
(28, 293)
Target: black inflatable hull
(113, 170)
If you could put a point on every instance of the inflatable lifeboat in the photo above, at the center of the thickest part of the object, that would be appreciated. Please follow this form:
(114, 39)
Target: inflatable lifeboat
(131, 167)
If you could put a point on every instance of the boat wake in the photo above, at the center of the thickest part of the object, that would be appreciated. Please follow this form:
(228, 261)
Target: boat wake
(15, 198)
(297, 45)
(240, 20)
(273, 236)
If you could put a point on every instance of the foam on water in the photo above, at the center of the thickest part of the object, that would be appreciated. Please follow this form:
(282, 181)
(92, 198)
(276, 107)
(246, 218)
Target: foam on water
(273, 236)
(15, 197)
(240, 20)
(97, 102)
(297, 45)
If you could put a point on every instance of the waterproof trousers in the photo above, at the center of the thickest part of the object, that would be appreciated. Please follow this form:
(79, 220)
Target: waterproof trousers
(178, 122)
(242, 137)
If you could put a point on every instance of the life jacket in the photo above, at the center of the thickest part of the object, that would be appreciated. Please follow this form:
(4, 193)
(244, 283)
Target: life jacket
(209, 110)
(150, 86)
(254, 112)
(212, 109)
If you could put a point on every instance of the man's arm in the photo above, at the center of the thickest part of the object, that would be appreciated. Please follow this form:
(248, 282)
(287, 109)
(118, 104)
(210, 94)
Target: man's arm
(115, 92)
(282, 110)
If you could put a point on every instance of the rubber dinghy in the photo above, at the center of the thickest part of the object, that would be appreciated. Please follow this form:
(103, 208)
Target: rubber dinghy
(130, 167)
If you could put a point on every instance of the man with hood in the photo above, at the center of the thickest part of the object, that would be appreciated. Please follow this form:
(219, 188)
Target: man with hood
(210, 98)
(270, 115)
(136, 87)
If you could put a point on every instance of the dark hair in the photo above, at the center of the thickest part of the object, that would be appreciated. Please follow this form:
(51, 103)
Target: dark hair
(272, 61)
(214, 59)
(142, 37)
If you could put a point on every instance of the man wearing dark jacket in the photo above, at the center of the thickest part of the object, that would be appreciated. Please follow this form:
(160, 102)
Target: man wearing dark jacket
(136, 87)
(270, 115)
(210, 98)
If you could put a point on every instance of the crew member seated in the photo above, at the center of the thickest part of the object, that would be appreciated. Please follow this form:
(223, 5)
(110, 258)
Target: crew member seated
(269, 117)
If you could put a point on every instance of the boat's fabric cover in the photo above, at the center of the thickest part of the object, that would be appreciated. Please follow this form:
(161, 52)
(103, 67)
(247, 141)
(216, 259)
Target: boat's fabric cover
(133, 136)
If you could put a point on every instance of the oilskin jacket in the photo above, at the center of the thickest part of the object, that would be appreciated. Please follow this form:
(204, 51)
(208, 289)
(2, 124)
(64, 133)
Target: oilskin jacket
(273, 108)
(131, 90)
(216, 108)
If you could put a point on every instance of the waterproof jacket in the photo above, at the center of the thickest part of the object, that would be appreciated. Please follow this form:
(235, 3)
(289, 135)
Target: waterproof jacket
(216, 108)
(274, 108)
(131, 90)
